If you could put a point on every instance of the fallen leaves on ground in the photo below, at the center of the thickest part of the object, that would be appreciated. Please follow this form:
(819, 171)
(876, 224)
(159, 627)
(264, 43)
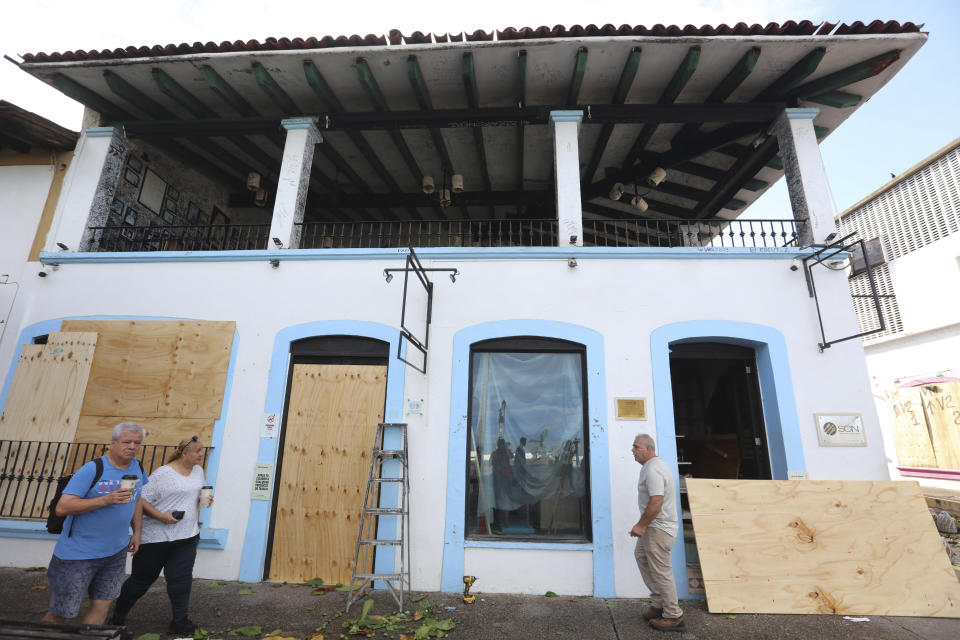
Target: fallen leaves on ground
(315, 582)
(244, 592)
(216, 584)
(250, 631)
(149, 636)
(550, 594)
(38, 587)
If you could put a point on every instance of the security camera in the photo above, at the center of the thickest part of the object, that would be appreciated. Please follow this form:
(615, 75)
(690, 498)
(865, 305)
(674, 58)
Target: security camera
(44, 271)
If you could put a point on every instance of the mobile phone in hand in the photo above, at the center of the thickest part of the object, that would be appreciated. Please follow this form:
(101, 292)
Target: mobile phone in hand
(178, 515)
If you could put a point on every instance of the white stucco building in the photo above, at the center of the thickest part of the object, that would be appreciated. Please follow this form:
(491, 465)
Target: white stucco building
(263, 190)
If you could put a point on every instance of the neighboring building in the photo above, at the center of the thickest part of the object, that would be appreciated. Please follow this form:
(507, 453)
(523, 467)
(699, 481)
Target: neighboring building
(235, 234)
(34, 156)
(911, 227)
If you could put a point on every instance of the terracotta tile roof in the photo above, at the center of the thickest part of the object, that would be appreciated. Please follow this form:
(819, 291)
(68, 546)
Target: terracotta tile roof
(395, 37)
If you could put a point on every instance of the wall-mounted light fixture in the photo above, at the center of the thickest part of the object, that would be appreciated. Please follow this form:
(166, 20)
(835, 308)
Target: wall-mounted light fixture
(275, 263)
(573, 239)
(63, 247)
(277, 242)
(572, 262)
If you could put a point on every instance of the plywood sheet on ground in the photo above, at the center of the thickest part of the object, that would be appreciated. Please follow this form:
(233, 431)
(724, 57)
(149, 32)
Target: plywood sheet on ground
(48, 388)
(910, 435)
(941, 405)
(161, 369)
(827, 547)
(331, 423)
(160, 431)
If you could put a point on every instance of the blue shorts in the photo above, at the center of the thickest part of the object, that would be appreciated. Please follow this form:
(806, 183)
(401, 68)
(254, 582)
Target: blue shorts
(71, 581)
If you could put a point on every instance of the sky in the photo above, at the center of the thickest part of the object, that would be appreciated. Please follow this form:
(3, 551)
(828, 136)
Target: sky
(911, 117)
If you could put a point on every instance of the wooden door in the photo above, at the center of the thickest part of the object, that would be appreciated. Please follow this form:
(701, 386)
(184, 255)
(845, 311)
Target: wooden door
(331, 423)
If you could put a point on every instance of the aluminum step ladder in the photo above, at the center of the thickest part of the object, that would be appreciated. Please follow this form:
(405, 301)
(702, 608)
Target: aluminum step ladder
(385, 520)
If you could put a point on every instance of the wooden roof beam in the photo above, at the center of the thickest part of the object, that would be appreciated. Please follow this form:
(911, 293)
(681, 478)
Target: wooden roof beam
(576, 81)
(473, 101)
(780, 87)
(745, 167)
(627, 75)
(679, 80)
(847, 75)
(724, 88)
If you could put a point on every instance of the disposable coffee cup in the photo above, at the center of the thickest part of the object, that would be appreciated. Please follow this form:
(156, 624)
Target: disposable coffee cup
(206, 497)
(128, 482)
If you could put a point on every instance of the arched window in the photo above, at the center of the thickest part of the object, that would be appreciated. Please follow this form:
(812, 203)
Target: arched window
(527, 458)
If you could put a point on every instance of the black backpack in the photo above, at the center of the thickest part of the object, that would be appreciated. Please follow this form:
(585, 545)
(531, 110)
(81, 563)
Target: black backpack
(55, 522)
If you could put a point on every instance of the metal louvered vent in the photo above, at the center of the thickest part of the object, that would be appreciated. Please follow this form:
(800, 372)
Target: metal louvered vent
(865, 309)
(915, 212)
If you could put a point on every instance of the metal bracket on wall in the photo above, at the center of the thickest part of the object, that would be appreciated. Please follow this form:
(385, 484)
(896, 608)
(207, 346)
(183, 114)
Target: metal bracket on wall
(413, 265)
(821, 256)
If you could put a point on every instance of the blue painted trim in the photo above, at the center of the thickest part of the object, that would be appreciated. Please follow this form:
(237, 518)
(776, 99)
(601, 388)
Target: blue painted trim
(801, 113)
(508, 544)
(453, 538)
(258, 521)
(562, 115)
(219, 425)
(438, 253)
(298, 124)
(34, 530)
(101, 132)
(776, 388)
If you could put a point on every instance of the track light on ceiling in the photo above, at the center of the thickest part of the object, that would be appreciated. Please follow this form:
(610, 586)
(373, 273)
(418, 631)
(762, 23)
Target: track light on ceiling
(656, 176)
(616, 191)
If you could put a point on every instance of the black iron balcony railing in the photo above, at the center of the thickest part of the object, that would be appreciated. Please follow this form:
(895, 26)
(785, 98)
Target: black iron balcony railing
(454, 233)
(218, 237)
(29, 471)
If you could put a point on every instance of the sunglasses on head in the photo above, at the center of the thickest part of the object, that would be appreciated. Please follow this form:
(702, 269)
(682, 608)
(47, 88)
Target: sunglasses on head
(186, 443)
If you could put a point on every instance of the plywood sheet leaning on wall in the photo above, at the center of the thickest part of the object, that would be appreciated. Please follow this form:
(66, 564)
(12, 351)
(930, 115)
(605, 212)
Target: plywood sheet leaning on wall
(823, 547)
(157, 369)
(941, 405)
(48, 389)
(98, 429)
(910, 435)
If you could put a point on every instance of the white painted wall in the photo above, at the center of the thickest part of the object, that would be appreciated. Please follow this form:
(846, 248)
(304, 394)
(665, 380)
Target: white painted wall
(927, 282)
(624, 300)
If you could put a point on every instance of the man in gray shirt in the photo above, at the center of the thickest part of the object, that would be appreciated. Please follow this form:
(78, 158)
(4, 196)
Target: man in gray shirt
(656, 532)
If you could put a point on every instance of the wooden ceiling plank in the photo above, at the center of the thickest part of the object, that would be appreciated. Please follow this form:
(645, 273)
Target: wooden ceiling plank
(679, 80)
(627, 75)
(89, 98)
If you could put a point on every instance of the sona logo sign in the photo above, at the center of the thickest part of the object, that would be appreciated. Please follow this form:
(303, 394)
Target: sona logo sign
(840, 430)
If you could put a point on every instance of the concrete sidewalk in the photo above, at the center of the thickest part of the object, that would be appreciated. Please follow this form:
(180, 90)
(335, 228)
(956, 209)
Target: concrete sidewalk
(219, 607)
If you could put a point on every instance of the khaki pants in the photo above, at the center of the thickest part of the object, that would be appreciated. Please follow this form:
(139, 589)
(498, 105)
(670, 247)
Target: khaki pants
(653, 559)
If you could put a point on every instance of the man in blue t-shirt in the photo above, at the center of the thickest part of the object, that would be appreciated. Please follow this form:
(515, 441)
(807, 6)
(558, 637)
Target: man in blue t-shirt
(91, 553)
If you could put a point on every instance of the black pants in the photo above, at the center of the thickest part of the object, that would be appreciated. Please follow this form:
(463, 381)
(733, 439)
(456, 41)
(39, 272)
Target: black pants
(176, 560)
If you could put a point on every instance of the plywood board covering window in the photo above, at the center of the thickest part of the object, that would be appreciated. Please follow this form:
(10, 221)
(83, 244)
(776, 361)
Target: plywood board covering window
(48, 387)
(168, 376)
(824, 547)
(331, 422)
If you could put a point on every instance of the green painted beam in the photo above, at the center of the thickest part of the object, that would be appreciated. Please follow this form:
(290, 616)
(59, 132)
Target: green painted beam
(473, 101)
(837, 99)
(795, 74)
(679, 80)
(692, 193)
(318, 83)
(89, 98)
(627, 75)
(172, 89)
(579, 68)
(712, 173)
(274, 90)
(175, 91)
(746, 166)
(372, 89)
(123, 89)
(734, 78)
(227, 93)
(847, 75)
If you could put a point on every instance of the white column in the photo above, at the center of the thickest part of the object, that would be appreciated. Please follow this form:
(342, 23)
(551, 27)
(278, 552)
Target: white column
(302, 135)
(88, 188)
(806, 179)
(566, 164)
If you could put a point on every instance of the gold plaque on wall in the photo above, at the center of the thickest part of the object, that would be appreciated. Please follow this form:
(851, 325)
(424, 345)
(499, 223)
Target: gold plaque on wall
(631, 408)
